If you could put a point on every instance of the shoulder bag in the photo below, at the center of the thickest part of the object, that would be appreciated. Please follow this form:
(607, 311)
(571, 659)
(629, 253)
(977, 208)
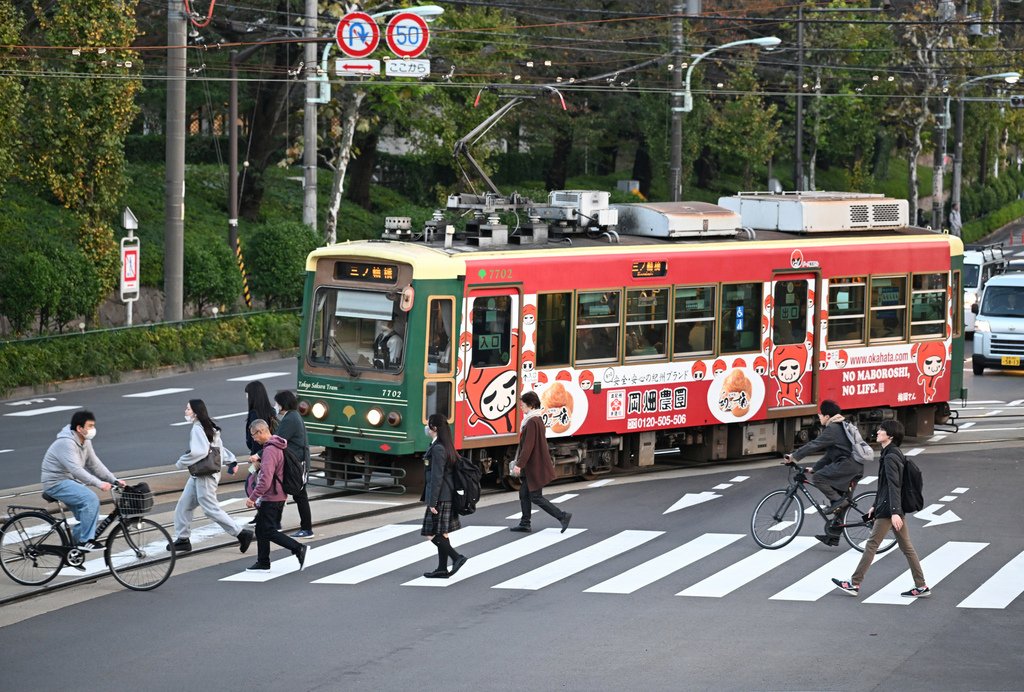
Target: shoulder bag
(208, 465)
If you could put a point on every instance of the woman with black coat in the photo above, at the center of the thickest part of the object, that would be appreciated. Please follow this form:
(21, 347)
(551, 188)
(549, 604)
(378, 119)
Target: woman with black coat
(292, 429)
(439, 520)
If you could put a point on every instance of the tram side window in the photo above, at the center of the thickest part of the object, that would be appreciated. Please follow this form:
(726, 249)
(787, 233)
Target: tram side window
(554, 311)
(790, 325)
(597, 326)
(741, 317)
(646, 323)
(928, 306)
(438, 399)
(846, 310)
(694, 327)
(439, 336)
(888, 308)
(492, 329)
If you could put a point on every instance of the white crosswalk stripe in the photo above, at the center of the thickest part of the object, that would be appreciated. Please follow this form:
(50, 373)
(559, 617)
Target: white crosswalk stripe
(998, 592)
(1001, 589)
(666, 564)
(819, 582)
(492, 559)
(327, 552)
(405, 557)
(579, 561)
(937, 566)
(747, 570)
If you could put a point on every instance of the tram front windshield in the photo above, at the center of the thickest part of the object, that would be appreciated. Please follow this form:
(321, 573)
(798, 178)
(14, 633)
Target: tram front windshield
(358, 331)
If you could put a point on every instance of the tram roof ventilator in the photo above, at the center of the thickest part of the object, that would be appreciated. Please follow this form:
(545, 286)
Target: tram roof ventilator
(818, 211)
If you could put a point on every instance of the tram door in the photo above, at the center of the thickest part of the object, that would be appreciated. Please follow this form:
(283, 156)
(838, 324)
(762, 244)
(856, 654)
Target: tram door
(489, 385)
(793, 361)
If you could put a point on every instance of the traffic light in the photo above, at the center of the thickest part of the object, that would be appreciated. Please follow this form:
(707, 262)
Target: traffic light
(1017, 101)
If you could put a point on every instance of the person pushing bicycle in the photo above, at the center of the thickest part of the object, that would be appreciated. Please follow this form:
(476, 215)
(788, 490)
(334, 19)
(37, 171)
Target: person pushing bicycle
(834, 471)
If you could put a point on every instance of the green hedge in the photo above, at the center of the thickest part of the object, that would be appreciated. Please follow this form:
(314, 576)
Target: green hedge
(976, 230)
(110, 352)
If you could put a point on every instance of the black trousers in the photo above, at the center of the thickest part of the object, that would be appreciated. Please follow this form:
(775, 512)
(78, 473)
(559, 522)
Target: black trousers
(268, 518)
(302, 504)
(528, 497)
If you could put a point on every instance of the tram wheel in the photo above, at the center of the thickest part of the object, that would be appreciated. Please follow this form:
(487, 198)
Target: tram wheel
(512, 483)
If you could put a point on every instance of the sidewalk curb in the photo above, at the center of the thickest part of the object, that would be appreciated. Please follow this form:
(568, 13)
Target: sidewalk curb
(141, 375)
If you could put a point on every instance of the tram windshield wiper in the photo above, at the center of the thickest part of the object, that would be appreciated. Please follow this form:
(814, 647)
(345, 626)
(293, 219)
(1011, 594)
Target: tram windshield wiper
(345, 360)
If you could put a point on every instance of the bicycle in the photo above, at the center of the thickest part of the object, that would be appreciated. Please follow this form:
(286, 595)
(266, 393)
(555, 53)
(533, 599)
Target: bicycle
(779, 515)
(35, 545)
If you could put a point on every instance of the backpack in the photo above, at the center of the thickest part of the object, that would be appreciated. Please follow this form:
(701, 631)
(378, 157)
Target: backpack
(293, 477)
(862, 452)
(466, 483)
(911, 487)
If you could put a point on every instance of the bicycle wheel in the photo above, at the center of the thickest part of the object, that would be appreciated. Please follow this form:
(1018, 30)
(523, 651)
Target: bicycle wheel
(777, 519)
(857, 531)
(32, 548)
(137, 554)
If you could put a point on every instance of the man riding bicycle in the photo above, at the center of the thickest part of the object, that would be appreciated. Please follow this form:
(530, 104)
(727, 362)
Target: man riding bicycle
(834, 471)
(69, 465)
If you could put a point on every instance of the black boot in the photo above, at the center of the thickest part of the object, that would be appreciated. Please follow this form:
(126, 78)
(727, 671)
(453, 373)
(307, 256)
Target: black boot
(458, 560)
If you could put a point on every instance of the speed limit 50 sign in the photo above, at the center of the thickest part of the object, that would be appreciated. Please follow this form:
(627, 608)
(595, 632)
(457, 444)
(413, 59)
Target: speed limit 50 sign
(407, 35)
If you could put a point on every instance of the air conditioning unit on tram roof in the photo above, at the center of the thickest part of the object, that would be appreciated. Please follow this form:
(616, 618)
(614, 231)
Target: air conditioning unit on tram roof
(677, 220)
(819, 211)
(583, 208)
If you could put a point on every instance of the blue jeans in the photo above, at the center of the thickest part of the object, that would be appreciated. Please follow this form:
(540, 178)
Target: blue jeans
(84, 505)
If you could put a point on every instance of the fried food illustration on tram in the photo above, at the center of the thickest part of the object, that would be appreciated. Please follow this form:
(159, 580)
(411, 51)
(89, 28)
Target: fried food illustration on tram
(737, 390)
(557, 402)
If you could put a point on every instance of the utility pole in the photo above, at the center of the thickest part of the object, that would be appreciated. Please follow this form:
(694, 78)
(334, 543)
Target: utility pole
(309, 130)
(939, 168)
(798, 145)
(675, 171)
(174, 190)
(233, 153)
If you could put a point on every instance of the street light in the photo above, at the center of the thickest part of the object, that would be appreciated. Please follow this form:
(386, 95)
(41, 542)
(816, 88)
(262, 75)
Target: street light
(958, 137)
(766, 42)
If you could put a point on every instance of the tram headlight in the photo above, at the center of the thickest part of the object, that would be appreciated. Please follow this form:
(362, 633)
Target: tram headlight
(303, 407)
(982, 326)
(394, 419)
(375, 417)
(319, 410)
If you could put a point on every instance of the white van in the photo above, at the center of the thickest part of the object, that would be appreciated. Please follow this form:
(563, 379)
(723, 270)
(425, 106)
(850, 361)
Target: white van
(999, 324)
(981, 263)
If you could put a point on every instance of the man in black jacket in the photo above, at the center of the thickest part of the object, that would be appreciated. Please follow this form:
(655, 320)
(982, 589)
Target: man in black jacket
(836, 468)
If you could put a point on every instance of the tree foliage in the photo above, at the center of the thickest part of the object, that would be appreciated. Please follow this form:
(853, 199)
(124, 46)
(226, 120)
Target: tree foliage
(12, 94)
(745, 129)
(211, 276)
(275, 255)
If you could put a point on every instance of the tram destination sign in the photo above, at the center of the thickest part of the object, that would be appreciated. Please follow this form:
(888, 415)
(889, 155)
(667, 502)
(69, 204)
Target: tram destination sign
(648, 269)
(370, 272)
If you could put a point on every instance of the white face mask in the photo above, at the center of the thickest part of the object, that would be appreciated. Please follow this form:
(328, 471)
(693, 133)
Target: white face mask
(89, 434)
(277, 410)
(427, 431)
(189, 419)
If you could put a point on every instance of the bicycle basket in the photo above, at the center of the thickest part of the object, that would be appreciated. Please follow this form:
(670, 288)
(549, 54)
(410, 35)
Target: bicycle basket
(134, 500)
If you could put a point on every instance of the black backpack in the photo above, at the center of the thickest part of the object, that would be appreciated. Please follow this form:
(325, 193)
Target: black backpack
(911, 487)
(293, 477)
(466, 483)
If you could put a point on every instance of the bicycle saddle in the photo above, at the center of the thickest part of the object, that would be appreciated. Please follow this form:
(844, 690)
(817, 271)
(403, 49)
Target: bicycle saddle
(49, 498)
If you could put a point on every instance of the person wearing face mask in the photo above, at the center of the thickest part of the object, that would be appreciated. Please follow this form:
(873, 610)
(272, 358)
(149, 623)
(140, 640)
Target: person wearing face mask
(71, 464)
(258, 404)
(201, 491)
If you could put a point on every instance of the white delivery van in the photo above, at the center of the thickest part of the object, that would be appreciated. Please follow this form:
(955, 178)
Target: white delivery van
(999, 324)
(981, 263)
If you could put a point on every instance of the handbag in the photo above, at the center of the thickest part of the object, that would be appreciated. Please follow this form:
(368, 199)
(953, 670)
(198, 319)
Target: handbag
(208, 465)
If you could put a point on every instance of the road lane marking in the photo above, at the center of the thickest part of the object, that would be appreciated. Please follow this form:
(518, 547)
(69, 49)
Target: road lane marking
(666, 564)
(913, 452)
(993, 413)
(575, 563)
(722, 486)
(215, 418)
(960, 491)
(4, 451)
(405, 557)
(323, 553)
(748, 569)
(937, 566)
(947, 498)
(257, 376)
(867, 480)
(819, 582)
(738, 479)
(502, 555)
(601, 483)
(41, 411)
(360, 502)
(1001, 588)
(157, 392)
(691, 499)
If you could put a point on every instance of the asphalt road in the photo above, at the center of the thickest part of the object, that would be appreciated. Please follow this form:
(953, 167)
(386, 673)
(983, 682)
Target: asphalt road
(631, 597)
